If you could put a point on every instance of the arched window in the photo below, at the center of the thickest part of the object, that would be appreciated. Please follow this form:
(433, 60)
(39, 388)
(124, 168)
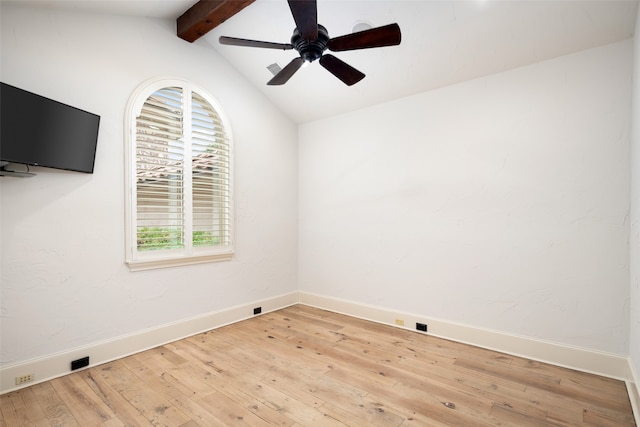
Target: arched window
(179, 177)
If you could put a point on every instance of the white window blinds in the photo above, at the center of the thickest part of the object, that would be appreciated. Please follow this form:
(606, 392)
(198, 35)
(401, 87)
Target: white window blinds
(210, 176)
(160, 152)
(181, 204)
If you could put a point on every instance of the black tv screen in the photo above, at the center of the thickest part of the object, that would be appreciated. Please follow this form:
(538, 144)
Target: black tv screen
(39, 131)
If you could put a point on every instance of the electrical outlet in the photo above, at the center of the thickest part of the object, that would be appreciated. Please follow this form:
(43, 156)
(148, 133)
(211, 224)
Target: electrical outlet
(399, 322)
(22, 379)
(257, 310)
(421, 327)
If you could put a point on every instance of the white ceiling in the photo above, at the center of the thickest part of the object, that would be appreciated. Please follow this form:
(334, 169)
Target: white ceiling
(443, 42)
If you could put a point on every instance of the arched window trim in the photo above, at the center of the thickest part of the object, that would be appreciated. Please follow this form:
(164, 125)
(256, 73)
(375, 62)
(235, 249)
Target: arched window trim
(145, 260)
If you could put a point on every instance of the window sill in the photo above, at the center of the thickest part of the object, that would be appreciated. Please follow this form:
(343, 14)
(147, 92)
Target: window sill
(140, 265)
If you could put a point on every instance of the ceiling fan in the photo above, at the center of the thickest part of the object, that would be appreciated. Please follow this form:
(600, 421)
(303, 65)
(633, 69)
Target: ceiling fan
(311, 40)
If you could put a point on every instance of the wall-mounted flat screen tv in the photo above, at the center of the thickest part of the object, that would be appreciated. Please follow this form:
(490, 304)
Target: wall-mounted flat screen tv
(38, 131)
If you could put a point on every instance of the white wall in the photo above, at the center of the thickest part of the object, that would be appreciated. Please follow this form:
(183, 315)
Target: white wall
(500, 203)
(634, 236)
(64, 281)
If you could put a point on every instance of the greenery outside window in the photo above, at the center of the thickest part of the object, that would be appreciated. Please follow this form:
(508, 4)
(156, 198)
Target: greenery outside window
(179, 177)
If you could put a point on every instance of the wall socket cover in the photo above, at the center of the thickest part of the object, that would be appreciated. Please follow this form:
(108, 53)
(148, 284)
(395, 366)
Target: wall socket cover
(22, 379)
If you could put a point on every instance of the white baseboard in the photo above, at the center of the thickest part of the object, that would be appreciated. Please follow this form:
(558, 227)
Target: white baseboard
(57, 365)
(633, 386)
(586, 360)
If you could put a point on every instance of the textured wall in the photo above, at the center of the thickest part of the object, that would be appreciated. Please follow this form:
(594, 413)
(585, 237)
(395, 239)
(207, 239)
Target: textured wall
(634, 237)
(64, 281)
(500, 203)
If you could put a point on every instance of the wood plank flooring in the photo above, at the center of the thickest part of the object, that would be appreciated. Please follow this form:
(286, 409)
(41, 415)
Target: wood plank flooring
(302, 366)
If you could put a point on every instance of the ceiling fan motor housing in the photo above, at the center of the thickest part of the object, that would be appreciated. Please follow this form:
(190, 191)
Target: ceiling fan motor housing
(310, 50)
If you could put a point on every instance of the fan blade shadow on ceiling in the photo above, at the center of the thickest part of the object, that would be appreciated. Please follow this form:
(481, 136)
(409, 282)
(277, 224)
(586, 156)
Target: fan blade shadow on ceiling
(388, 35)
(285, 74)
(341, 70)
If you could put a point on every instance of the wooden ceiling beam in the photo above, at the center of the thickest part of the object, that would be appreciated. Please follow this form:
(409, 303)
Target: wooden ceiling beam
(205, 15)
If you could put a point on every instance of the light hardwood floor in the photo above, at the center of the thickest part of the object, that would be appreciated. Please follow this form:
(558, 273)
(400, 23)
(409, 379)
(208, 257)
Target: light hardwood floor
(302, 366)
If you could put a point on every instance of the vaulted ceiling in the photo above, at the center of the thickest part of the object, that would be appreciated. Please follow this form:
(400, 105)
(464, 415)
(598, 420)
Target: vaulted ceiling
(443, 42)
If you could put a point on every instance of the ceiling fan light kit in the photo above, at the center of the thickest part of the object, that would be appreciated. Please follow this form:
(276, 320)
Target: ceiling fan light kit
(311, 40)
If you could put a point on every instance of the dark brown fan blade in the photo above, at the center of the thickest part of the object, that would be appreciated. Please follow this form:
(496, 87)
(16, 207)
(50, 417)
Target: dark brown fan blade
(341, 70)
(285, 74)
(305, 14)
(253, 43)
(389, 35)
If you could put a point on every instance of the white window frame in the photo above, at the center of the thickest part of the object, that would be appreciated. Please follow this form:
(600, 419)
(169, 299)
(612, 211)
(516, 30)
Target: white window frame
(152, 259)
